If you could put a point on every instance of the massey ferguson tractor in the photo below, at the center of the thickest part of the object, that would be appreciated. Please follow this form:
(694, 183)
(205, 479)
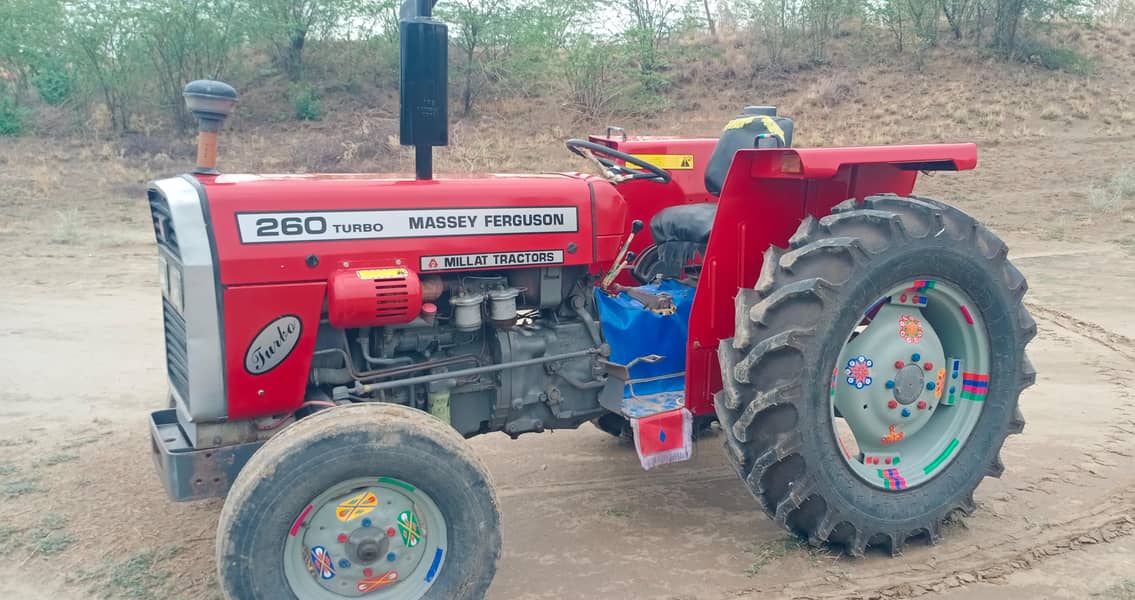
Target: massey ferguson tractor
(332, 340)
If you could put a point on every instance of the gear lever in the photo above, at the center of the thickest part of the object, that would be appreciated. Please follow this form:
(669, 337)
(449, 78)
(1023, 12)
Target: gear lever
(623, 257)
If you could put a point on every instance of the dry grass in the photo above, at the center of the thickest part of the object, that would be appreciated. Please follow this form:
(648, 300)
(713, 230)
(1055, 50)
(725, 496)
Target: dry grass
(1116, 196)
(1124, 590)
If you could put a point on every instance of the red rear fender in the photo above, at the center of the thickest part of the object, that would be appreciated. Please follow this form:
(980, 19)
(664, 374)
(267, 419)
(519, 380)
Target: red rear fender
(767, 194)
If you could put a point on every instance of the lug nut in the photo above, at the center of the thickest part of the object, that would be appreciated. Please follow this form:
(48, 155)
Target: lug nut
(899, 364)
(929, 366)
(893, 404)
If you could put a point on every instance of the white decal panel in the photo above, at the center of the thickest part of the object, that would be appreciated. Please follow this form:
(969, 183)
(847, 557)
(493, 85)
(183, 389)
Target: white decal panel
(483, 260)
(321, 226)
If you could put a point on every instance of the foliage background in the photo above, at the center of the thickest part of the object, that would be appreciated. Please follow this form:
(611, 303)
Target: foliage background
(117, 67)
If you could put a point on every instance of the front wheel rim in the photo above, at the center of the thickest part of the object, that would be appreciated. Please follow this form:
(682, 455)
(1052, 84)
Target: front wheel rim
(367, 537)
(909, 384)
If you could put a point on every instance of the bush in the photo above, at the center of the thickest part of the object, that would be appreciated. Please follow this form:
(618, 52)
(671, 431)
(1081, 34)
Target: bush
(306, 105)
(11, 116)
(1052, 57)
(594, 80)
(54, 83)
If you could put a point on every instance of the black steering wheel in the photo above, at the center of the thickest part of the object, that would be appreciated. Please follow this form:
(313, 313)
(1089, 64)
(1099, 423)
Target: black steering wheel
(603, 155)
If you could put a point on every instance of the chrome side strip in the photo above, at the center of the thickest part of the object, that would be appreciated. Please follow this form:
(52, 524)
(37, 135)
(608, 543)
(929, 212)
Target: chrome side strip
(206, 402)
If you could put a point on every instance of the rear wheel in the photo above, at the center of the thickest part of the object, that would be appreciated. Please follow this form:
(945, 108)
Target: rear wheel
(875, 372)
(362, 501)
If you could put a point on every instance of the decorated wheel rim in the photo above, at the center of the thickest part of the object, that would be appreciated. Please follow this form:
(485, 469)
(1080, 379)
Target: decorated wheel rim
(366, 538)
(909, 384)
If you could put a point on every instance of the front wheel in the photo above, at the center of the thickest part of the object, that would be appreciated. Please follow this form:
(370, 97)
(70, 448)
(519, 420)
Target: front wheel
(875, 372)
(364, 501)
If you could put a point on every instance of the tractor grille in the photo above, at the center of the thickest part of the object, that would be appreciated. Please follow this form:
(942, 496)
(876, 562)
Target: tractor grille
(177, 352)
(163, 224)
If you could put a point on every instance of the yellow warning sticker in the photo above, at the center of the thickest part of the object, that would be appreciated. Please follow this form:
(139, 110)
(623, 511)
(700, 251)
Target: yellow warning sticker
(670, 162)
(381, 274)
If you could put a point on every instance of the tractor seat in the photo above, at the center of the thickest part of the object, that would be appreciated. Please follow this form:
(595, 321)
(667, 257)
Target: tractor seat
(684, 223)
(680, 234)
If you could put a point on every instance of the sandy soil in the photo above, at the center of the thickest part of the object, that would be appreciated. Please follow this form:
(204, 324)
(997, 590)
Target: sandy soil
(82, 514)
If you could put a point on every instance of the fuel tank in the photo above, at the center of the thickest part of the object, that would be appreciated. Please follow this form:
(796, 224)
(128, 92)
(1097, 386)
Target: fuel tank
(284, 228)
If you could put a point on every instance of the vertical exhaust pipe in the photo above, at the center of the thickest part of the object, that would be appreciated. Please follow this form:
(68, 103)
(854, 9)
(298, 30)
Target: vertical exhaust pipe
(424, 116)
(210, 102)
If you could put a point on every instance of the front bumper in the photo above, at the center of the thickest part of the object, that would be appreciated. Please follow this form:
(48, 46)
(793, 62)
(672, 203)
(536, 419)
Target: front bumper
(187, 472)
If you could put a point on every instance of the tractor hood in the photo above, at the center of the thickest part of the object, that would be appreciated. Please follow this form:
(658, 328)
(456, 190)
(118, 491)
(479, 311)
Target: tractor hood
(293, 228)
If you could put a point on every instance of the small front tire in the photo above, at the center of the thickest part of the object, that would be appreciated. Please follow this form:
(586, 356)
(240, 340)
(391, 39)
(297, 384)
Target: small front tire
(406, 479)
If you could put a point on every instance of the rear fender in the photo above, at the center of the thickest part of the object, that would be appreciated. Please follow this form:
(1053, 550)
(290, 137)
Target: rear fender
(766, 195)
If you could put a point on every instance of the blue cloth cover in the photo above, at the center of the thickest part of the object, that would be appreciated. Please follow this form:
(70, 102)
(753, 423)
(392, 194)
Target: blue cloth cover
(632, 331)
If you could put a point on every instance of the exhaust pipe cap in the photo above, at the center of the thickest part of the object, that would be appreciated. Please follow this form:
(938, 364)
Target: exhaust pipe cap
(211, 102)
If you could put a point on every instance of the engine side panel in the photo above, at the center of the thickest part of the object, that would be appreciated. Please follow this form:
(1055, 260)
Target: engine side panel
(270, 334)
(288, 229)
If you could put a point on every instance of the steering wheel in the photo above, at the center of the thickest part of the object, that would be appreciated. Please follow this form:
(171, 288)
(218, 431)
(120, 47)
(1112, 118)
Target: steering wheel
(616, 172)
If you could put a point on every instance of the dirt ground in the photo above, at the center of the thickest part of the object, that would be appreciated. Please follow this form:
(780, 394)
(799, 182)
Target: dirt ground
(82, 514)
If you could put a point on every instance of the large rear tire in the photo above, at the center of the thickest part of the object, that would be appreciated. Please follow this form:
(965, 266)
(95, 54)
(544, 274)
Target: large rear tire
(814, 310)
(358, 500)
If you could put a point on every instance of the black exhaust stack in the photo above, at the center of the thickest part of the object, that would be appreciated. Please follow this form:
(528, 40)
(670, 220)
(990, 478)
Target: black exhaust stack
(424, 84)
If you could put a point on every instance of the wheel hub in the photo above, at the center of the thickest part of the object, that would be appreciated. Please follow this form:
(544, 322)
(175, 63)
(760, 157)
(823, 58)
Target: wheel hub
(363, 536)
(364, 547)
(909, 384)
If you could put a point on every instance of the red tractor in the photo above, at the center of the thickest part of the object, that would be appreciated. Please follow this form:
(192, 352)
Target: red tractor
(331, 340)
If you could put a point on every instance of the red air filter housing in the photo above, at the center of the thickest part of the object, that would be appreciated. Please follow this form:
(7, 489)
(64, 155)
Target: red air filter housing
(368, 297)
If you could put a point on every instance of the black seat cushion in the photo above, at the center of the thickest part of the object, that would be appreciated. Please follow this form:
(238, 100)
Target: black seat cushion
(684, 223)
(681, 234)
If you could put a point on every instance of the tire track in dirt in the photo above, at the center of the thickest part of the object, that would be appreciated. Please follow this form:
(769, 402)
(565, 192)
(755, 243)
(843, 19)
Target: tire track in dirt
(1111, 340)
(991, 563)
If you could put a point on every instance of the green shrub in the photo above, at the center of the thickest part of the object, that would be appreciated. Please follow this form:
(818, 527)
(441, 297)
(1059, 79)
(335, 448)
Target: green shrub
(11, 116)
(306, 105)
(54, 83)
(1053, 57)
(595, 83)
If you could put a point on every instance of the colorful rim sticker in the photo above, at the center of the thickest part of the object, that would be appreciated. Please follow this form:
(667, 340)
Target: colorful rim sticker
(401, 484)
(913, 300)
(356, 506)
(910, 329)
(831, 390)
(941, 384)
(307, 561)
(955, 372)
(942, 457)
(892, 436)
(371, 584)
(409, 528)
(921, 285)
(965, 313)
(434, 566)
(299, 521)
(891, 479)
(321, 563)
(858, 371)
(975, 386)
